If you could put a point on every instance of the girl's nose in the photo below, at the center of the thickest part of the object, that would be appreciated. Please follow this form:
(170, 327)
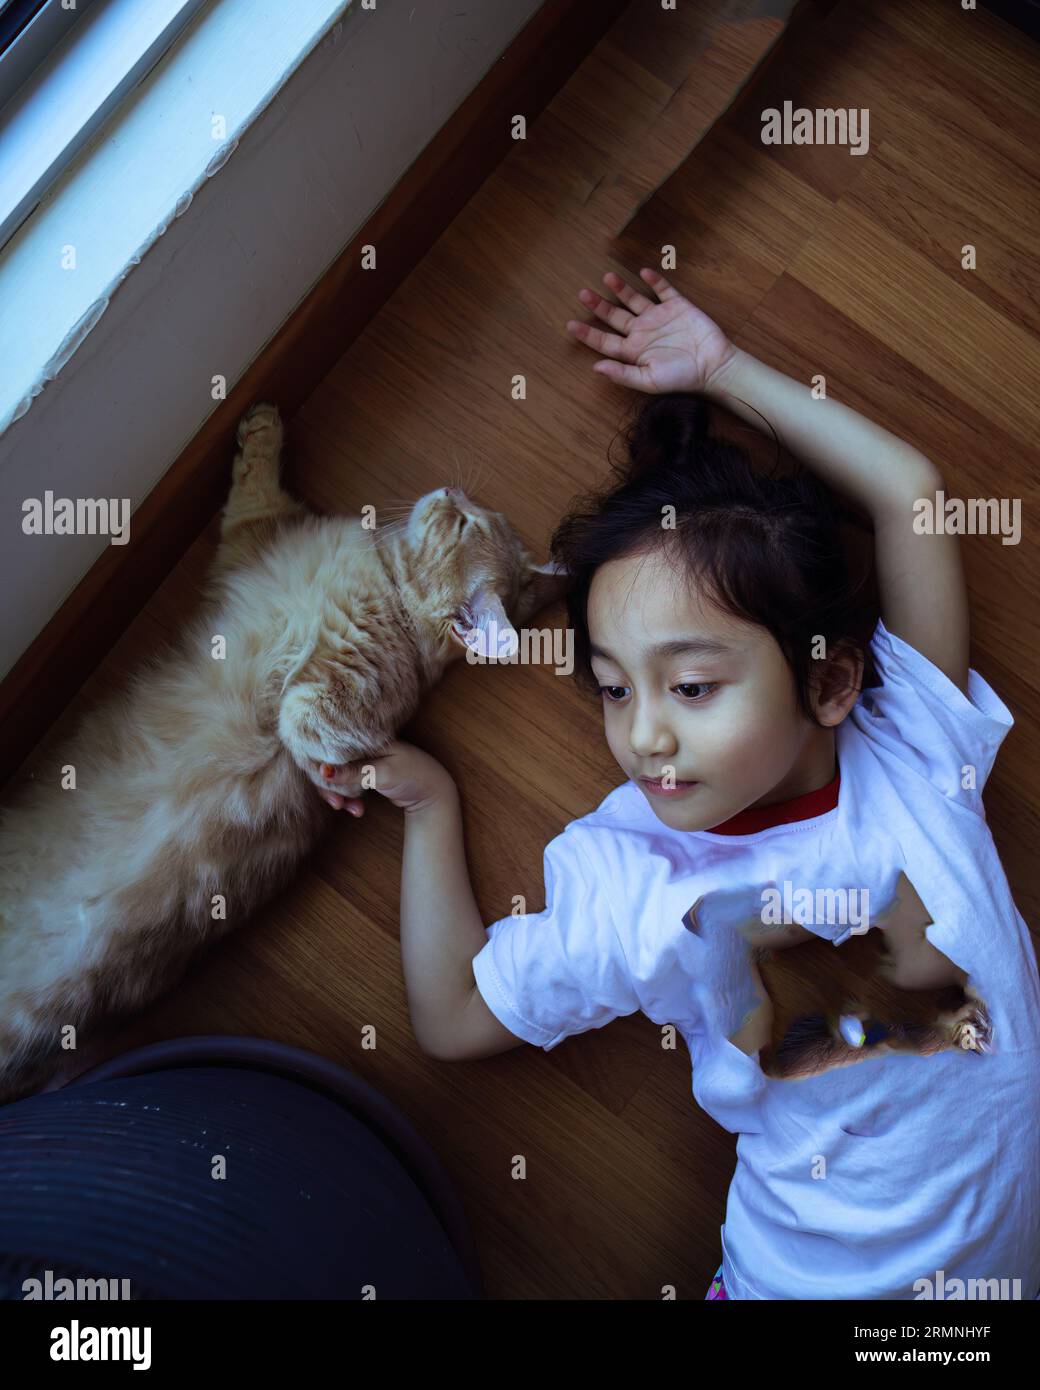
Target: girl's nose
(648, 738)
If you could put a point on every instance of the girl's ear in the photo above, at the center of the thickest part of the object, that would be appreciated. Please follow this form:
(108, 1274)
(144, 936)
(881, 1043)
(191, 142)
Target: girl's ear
(484, 628)
(542, 585)
(837, 687)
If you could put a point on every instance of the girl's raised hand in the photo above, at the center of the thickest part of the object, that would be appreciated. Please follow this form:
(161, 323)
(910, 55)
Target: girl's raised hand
(655, 347)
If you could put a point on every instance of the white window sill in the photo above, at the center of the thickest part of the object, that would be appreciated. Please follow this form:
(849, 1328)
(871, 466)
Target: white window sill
(152, 360)
(122, 191)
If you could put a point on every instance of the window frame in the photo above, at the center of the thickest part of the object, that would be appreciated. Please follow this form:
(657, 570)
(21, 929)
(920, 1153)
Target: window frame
(41, 61)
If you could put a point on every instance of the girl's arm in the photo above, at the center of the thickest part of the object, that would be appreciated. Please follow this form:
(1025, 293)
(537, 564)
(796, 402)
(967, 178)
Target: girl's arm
(671, 345)
(441, 927)
(920, 577)
(441, 932)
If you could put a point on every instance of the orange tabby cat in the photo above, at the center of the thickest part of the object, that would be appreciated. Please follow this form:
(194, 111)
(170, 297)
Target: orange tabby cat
(193, 790)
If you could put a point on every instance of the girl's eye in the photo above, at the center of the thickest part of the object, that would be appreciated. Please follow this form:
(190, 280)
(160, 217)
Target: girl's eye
(617, 692)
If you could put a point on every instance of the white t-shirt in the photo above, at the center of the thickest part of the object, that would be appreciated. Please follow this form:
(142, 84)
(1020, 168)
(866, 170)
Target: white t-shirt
(932, 1163)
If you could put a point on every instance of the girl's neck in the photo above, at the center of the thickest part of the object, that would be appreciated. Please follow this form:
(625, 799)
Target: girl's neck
(816, 800)
(815, 767)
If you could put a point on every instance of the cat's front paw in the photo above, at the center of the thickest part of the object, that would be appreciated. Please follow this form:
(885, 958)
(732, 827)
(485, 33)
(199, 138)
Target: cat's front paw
(319, 773)
(334, 788)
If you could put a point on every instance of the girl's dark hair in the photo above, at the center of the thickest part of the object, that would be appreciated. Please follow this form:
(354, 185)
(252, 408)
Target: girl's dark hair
(767, 549)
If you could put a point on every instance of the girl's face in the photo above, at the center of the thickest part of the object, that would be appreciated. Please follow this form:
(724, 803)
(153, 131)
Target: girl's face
(691, 692)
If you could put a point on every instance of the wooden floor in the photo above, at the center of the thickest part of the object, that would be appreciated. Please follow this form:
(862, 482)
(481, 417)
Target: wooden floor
(817, 261)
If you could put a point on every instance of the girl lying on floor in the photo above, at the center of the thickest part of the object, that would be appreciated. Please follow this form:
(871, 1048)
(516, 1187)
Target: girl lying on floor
(714, 616)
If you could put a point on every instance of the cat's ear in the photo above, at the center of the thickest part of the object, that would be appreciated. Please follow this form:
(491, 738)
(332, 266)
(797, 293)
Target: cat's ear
(541, 585)
(484, 628)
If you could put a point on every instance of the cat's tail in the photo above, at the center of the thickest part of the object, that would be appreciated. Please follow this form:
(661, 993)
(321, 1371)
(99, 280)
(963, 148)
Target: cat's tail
(26, 1065)
(36, 1012)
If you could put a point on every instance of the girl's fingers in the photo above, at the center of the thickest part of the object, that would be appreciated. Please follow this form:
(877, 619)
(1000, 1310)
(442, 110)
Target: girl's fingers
(609, 344)
(623, 374)
(353, 804)
(659, 284)
(349, 772)
(617, 317)
(632, 298)
(334, 773)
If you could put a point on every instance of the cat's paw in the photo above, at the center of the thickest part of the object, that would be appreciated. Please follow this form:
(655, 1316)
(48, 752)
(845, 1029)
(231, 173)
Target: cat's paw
(333, 777)
(260, 417)
(260, 447)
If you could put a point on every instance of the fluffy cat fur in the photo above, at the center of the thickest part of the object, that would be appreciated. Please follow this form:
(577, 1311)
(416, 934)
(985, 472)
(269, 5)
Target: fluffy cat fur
(197, 780)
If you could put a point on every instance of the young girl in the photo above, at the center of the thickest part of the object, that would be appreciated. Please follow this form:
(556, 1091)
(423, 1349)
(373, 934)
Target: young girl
(713, 613)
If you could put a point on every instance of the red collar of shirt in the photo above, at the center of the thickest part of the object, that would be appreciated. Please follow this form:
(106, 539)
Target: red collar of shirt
(756, 818)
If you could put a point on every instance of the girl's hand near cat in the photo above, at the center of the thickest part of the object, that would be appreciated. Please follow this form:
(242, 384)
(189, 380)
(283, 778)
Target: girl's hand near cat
(655, 347)
(405, 775)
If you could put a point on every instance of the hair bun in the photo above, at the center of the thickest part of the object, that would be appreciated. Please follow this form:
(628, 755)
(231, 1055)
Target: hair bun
(667, 427)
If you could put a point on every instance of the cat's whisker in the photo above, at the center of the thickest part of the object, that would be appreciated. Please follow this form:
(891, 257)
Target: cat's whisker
(389, 531)
(477, 477)
(466, 481)
(459, 475)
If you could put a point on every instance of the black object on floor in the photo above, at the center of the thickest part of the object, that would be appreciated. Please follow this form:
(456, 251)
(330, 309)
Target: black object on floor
(327, 1190)
(1023, 14)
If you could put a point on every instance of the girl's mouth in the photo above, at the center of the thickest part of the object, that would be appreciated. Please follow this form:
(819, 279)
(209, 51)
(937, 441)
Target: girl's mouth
(656, 786)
